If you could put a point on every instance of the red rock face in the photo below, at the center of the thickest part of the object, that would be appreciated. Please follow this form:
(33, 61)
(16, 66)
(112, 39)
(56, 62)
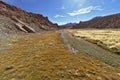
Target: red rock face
(35, 21)
(111, 21)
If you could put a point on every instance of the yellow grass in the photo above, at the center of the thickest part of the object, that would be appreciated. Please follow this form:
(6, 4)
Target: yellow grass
(44, 57)
(109, 39)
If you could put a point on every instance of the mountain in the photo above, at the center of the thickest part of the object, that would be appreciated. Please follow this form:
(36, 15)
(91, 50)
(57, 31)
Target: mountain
(68, 25)
(16, 20)
(111, 21)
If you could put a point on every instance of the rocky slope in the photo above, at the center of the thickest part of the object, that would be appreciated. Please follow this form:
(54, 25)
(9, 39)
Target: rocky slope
(15, 20)
(111, 21)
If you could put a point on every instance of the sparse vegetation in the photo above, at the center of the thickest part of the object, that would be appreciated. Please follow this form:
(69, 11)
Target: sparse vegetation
(109, 39)
(34, 48)
(90, 49)
(45, 57)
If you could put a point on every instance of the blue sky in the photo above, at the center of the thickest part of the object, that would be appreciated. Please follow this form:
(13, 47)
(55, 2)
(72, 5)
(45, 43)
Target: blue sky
(66, 11)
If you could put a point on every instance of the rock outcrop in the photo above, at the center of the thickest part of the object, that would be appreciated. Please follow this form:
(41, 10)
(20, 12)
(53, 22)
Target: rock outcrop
(21, 21)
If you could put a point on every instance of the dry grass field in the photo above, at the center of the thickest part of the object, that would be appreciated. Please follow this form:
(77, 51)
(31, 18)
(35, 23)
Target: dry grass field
(109, 39)
(45, 57)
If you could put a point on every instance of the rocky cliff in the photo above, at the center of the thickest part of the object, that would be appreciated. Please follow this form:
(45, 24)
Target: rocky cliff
(13, 19)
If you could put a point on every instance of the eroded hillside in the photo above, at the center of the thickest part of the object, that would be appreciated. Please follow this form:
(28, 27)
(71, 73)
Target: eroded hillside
(23, 21)
(111, 21)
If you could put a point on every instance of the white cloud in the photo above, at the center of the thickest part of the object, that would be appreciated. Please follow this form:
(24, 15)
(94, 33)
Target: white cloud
(85, 10)
(56, 16)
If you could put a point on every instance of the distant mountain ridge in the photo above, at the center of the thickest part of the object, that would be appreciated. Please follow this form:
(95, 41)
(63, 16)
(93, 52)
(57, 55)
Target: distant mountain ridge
(111, 21)
(68, 25)
(23, 21)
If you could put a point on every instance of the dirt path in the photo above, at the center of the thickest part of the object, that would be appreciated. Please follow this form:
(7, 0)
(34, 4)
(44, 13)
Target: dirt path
(91, 49)
(69, 47)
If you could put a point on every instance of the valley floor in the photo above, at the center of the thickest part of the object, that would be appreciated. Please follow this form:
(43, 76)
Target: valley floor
(88, 48)
(45, 57)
